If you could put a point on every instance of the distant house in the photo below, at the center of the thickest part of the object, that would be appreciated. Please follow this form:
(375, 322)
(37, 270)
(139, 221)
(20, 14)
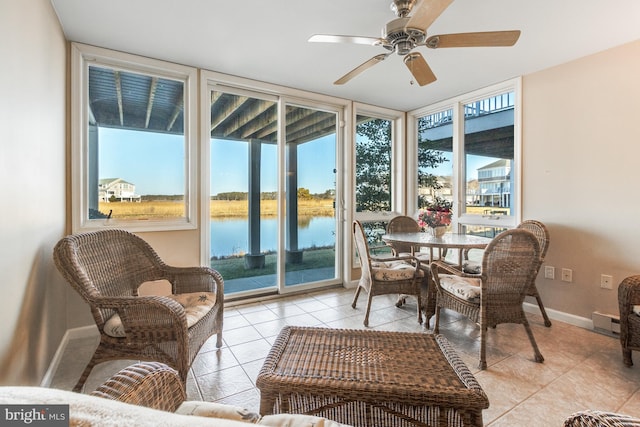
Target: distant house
(494, 182)
(118, 188)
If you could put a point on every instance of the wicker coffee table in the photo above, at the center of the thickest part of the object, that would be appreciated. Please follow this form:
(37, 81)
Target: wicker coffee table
(370, 378)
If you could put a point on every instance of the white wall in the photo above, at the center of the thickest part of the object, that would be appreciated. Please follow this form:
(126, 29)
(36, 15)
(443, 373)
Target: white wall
(581, 155)
(32, 173)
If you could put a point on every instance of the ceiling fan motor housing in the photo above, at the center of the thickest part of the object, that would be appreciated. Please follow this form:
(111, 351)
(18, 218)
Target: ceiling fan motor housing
(402, 7)
(401, 39)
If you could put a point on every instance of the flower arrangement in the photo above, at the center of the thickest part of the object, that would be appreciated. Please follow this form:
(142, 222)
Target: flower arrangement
(437, 213)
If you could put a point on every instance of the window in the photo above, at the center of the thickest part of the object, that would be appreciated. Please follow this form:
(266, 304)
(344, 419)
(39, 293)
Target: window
(435, 157)
(133, 142)
(466, 150)
(378, 178)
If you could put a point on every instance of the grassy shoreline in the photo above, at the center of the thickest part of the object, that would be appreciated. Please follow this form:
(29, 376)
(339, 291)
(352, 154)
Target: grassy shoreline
(221, 209)
(159, 209)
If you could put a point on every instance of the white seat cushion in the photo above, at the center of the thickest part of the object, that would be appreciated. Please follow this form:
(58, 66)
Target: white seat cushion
(472, 267)
(196, 306)
(463, 287)
(218, 410)
(394, 270)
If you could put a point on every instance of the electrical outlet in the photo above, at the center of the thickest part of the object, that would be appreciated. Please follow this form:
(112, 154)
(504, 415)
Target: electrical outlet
(567, 275)
(549, 272)
(606, 281)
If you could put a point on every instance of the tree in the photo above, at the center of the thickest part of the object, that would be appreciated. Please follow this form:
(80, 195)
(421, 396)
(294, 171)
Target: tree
(373, 175)
(427, 159)
(304, 194)
(373, 165)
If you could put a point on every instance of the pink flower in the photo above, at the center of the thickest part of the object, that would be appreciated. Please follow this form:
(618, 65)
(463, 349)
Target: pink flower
(435, 217)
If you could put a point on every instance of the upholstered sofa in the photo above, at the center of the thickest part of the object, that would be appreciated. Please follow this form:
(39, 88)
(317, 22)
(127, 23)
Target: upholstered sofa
(148, 394)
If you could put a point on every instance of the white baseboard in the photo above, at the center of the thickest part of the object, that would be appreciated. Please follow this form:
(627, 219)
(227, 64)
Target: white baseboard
(571, 319)
(75, 333)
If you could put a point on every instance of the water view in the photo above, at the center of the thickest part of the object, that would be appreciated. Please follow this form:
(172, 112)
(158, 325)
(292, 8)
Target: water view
(230, 236)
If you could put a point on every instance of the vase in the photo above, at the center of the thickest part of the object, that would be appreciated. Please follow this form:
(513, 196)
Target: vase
(438, 231)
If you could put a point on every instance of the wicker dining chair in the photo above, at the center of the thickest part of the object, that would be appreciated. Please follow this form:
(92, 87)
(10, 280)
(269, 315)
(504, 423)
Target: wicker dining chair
(406, 224)
(107, 267)
(628, 298)
(383, 276)
(494, 296)
(542, 234)
(402, 224)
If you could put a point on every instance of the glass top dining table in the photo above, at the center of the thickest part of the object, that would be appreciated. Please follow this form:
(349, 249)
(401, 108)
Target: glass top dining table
(446, 241)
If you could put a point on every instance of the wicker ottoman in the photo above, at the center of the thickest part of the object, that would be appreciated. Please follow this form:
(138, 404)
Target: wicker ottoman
(370, 378)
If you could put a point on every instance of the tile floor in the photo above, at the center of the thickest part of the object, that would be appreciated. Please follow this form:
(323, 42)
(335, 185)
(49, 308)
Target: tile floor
(582, 369)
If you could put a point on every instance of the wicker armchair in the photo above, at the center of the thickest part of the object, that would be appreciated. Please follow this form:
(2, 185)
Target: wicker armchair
(150, 384)
(542, 234)
(590, 418)
(383, 276)
(628, 296)
(495, 296)
(107, 267)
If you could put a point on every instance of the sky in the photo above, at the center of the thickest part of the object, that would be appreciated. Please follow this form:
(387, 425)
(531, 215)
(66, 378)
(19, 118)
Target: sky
(154, 163)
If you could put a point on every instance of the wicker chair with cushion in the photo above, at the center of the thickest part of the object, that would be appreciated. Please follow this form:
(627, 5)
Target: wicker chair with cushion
(629, 306)
(403, 224)
(383, 276)
(494, 296)
(406, 224)
(590, 418)
(150, 384)
(542, 234)
(107, 267)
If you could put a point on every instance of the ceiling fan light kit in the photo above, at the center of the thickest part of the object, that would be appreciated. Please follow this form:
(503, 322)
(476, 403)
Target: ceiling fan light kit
(405, 33)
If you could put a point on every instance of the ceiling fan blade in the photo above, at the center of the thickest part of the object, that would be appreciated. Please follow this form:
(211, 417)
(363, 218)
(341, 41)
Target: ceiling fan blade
(360, 68)
(419, 68)
(331, 38)
(425, 12)
(489, 38)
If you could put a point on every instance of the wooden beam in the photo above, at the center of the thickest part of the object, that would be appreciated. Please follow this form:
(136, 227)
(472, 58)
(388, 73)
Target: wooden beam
(223, 109)
(118, 84)
(152, 94)
(251, 113)
(176, 113)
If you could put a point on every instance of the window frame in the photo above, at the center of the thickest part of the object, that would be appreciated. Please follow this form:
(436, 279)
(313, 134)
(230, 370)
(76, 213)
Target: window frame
(457, 105)
(82, 56)
(398, 162)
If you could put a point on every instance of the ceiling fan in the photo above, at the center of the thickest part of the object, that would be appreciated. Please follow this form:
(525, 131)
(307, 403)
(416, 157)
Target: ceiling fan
(405, 33)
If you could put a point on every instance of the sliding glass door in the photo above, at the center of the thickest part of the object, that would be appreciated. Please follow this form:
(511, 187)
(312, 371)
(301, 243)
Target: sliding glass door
(310, 192)
(273, 181)
(243, 190)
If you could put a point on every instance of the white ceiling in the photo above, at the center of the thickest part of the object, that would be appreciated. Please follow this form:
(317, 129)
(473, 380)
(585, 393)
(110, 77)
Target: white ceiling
(267, 40)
